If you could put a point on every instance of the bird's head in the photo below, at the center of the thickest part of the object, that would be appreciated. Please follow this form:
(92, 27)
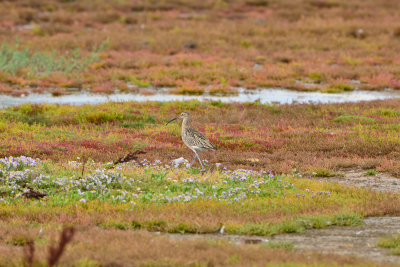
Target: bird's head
(183, 115)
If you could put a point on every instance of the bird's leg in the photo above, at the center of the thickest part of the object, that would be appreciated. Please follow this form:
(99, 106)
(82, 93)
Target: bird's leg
(193, 161)
(202, 167)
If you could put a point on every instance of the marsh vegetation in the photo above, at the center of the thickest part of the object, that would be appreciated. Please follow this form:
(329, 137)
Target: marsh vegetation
(331, 46)
(58, 168)
(105, 175)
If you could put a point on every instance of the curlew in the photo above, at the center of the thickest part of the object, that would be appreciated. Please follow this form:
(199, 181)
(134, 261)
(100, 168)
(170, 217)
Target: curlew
(193, 139)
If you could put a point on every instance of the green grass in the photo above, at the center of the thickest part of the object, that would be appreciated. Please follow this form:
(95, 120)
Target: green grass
(391, 242)
(348, 118)
(321, 172)
(132, 79)
(279, 244)
(17, 241)
(338, 88)
(347, 220)
(370, 173)
(23, 61)
(159, 198)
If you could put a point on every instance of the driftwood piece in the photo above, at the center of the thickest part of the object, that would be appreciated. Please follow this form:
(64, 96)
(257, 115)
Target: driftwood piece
(129, 157)
(32, 193)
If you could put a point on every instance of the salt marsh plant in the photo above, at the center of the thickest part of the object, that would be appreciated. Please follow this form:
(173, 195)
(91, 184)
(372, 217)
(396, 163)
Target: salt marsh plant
(311, 138)
(391, 242)
(22, 61)
(226, 45)
(144, 194)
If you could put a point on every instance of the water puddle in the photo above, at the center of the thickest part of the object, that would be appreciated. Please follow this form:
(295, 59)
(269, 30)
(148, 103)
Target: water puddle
(264, 95)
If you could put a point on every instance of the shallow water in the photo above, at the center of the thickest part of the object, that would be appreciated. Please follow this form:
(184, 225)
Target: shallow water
(264, 95)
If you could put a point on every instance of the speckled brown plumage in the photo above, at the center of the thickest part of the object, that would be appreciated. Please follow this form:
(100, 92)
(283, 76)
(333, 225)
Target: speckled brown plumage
(192, 138)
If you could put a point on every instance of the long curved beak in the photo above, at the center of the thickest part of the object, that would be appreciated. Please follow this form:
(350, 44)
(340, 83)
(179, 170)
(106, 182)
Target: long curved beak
(172, 120)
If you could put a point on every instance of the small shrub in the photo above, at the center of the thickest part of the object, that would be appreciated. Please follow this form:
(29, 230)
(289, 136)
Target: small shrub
(338, 88)
(30, 109)
(221, 91)
(252, 229)
(315, 76)
(350, 118)
(389, 112)
(392, 242)
(352, 61)
(133, 125)
(370, 173)
(118, 225)
(347, 220)
(136, 224)
(183, 228)
(187, 91)
(233, 259)
(156, 226)
(245, 44)
(18, 241)
(279, 244)
(291, 227)
(323, 173)
(100, 117)
(137, 82)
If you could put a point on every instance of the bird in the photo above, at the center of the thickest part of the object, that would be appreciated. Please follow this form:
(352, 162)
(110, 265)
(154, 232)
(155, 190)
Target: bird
(192, 138)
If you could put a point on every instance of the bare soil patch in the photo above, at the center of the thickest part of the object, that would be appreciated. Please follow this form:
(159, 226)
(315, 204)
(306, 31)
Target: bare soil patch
(360, 240)
(356, 177)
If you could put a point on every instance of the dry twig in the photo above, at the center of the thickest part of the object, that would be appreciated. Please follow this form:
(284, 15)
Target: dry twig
(129, 157)
(29, 253)
(56, 252)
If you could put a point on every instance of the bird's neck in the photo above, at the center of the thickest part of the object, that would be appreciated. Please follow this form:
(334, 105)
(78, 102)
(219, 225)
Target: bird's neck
(185, 123)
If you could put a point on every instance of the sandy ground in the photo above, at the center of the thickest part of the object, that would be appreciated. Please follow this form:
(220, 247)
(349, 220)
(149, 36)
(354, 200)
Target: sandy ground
(356, 177)
(359, 241)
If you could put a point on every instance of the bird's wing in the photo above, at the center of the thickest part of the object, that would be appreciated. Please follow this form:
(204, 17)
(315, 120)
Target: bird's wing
(199, 139)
